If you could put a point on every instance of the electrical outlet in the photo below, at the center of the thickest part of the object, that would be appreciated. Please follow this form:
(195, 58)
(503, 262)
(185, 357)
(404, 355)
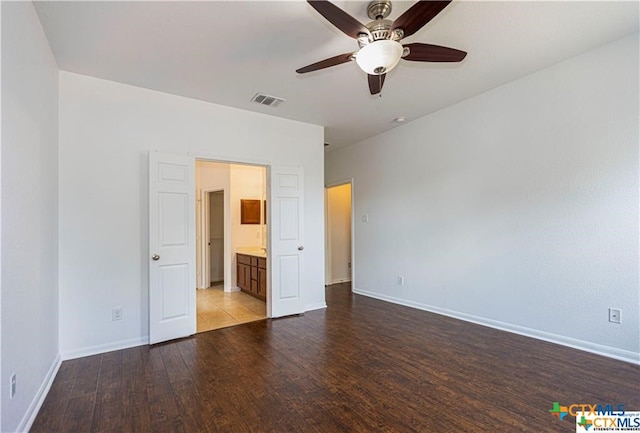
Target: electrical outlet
(12, 386)
(400, 280)
(615, 315)
(116, 313)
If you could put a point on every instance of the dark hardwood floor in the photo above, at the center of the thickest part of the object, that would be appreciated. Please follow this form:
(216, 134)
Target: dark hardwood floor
(361, 365)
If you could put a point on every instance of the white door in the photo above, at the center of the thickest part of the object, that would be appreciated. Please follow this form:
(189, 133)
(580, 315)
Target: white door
(172, 302)
(287, 246)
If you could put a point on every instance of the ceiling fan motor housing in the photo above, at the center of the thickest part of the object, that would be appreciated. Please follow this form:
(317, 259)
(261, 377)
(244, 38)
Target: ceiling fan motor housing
(379, 9)
(379, 29)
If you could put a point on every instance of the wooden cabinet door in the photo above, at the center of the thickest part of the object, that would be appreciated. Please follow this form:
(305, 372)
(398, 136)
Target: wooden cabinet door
(244, 276)
(247, 277)
(262, 283)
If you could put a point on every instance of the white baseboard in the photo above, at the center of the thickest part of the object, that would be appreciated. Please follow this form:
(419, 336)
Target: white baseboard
(103, 348)
(318, 306)
(30, 416)
(340, 280)
(587, 346)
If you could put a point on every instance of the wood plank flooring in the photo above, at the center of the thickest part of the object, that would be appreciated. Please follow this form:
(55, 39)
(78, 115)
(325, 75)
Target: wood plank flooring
(361, 365)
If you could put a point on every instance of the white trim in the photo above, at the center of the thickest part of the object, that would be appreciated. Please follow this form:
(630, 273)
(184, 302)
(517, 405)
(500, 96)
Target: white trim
(328, 253)
(317, 306)
(104, 348)
(339, 280)
(31, 413)
(205, 265)
(574, 343)
(199, 235)
(231, 160)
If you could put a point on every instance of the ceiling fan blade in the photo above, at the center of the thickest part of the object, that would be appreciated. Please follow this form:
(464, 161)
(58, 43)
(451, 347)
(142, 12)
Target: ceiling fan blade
(339, 18)
(375, 83)
(333, 61)
(433, 53)
(418, 15)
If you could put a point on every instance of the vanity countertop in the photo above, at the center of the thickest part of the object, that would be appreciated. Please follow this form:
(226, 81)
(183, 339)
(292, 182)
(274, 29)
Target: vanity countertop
(252, 251)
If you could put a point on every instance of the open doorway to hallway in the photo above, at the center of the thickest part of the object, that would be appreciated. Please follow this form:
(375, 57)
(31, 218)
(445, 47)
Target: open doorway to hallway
(222, 299)
(339, 235)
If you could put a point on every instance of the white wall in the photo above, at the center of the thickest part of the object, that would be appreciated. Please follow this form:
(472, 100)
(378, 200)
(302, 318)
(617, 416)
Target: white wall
(517, 208)
(211, 175)
(339, 233)
(29, 213)
(106, 131)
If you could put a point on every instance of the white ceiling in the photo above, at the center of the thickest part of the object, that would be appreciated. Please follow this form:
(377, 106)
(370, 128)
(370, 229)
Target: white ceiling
(226, 51)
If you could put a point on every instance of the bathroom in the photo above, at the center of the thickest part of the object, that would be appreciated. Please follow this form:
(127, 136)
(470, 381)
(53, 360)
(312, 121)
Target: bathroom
(230, 224)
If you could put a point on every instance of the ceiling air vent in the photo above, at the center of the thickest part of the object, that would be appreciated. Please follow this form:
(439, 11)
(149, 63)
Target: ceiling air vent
(271, 101)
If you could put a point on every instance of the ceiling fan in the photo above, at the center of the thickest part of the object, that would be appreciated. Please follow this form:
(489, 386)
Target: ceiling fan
(380, 49)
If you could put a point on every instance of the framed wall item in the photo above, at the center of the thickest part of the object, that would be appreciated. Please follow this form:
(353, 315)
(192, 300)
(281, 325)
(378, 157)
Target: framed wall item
(250, 211)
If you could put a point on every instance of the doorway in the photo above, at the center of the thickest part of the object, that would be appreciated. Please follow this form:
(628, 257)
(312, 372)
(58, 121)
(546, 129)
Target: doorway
(176, 239)
(339, 234)
(216, 238)
(220, 235)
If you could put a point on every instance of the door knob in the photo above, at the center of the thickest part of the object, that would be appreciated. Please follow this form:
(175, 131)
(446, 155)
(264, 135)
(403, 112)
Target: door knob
(300, 248)
(155, 257)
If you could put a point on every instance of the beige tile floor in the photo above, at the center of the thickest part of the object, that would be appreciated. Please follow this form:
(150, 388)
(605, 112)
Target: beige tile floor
(218, 309)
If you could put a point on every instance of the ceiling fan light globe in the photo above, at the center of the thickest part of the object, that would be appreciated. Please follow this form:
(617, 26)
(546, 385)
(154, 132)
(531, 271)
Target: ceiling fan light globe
(379, 57)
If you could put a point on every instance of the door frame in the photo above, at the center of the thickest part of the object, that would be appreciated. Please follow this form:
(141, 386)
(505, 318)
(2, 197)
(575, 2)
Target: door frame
(327, 231)
(205, 225)
(288, 190)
